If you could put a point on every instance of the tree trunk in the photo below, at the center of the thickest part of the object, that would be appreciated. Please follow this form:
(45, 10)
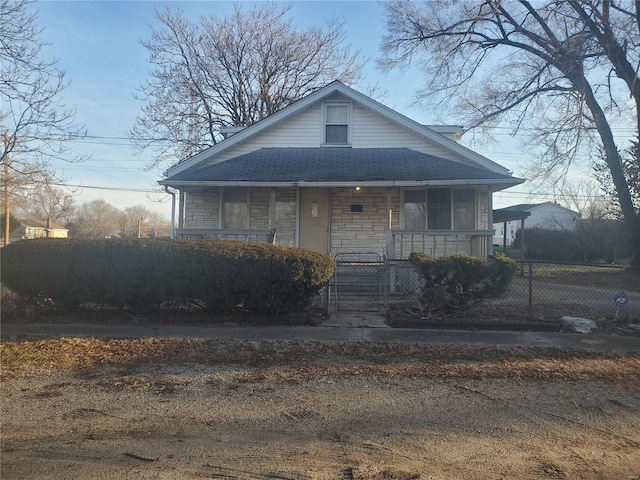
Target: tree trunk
(7, 210)
(613, 161)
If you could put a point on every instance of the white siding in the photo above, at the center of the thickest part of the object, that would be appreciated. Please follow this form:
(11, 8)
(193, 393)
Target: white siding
(368, 130)
(548, 216)
(373, 131)
(552, 217)
(301, 131)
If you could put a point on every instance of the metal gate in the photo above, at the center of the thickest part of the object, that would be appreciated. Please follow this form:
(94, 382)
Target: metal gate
(358, 282)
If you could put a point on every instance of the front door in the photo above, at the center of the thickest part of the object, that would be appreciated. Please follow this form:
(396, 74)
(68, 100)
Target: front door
(314, 219)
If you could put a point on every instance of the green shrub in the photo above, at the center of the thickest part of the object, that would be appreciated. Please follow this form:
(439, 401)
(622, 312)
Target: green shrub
(460, 279)
(552, 245)
(223, 276)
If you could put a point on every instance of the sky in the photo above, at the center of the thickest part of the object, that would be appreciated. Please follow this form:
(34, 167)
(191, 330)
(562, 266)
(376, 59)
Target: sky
(97, 43)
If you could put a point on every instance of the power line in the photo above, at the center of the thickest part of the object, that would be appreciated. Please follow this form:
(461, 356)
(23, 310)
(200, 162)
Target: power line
(87, 139)
(118, 189)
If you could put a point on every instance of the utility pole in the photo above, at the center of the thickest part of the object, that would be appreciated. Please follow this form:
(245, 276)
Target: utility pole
(7, 211)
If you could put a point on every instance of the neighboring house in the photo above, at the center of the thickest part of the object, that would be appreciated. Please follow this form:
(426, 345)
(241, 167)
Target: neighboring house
(547, 215)
(30, 229)
(339, 172)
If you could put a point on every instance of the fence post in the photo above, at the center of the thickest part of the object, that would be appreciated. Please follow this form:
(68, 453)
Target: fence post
(530, 288)
(386, 282)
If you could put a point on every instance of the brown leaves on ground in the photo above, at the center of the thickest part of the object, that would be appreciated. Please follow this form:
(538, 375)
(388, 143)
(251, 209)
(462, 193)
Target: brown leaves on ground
(293, 362)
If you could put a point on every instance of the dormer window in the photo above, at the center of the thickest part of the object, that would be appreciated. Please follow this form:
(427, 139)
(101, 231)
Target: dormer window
(336, 124)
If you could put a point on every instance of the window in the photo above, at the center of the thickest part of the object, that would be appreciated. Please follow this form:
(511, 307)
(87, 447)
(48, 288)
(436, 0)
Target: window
(464, 209)
(336, 124)
(236, 209)
(440, 209)
(414, 210)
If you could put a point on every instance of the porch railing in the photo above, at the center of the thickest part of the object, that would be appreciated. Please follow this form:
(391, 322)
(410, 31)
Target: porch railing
(439, 243)
(265, 236)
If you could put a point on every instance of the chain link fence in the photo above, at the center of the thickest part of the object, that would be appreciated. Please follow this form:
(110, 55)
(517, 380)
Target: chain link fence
(543, 290)
(538, 291)
(358, 282)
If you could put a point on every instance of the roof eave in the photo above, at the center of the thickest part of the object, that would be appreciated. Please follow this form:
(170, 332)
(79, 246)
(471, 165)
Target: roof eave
(500, 183)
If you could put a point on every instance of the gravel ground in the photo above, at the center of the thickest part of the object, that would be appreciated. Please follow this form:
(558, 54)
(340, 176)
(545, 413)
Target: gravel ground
(341, 419)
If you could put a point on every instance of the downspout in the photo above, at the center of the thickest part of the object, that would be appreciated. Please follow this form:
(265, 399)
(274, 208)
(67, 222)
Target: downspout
(172, 234)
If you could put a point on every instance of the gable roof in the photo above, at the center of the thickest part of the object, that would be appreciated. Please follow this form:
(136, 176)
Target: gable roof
(509, 214)
(366, 102)
(337, 166)
(527, 207)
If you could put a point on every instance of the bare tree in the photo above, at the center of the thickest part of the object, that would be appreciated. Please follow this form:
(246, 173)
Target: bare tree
(157, 225)
(45, 201)
(631, 169)
(34, 122)
(231, 71)
(556, 68)
(586, 198)
(138, 221)
(94, 220)
(134, 219)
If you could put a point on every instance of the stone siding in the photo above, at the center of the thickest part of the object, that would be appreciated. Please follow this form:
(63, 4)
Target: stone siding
(202, 211)
(483, 224)
(361, 231)
(285, 216)
(259, 209)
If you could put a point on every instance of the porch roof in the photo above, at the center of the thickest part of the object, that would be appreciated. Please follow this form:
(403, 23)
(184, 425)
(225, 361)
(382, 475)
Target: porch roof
(328, 165)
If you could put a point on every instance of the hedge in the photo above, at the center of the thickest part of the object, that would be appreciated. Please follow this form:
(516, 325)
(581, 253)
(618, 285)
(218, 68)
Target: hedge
(149, 274)
(460, 279)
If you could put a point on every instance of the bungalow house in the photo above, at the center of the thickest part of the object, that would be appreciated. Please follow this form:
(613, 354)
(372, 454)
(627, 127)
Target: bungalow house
(339, 172)
(30, 229)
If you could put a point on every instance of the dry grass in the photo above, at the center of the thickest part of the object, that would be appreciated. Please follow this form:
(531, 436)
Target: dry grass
(292, 362)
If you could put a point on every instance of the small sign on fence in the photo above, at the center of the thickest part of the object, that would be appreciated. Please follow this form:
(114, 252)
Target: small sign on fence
(620, 301)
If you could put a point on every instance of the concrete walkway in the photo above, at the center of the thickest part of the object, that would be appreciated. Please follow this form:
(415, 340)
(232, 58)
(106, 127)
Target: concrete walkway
(356, 319)
(351, 327)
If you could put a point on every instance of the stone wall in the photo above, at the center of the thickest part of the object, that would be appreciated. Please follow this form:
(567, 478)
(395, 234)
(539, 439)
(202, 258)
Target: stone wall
(259, 209)
(202, 211)
(483, 200)
(361, 231)
(285, 216)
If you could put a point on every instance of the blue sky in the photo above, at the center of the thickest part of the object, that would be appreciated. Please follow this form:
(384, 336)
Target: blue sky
(98, 45)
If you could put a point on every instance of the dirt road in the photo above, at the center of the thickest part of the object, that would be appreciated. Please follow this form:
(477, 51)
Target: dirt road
(233, 422)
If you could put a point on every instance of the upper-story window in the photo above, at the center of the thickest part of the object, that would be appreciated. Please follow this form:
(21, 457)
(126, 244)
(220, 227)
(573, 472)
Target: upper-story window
(336, 124)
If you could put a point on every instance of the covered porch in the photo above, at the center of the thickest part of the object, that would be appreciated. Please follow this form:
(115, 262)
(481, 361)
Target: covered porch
(390, 201)
(335, 220)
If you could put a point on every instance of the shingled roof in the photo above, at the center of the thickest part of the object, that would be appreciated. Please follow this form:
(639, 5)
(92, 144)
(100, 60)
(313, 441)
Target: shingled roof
(290, 165)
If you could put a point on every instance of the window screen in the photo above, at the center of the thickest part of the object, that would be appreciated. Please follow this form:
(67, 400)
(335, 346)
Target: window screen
(236, 209)
(414, 210)
(336, 124)
(464, 209)
(439, 209)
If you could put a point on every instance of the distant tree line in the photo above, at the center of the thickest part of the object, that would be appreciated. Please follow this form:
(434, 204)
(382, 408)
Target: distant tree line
(99, 219)
(95, 219)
